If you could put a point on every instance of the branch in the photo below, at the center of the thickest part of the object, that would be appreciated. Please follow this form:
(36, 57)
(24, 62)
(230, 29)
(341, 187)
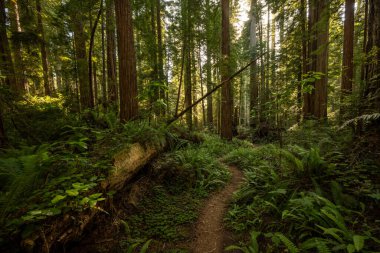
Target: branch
(177, 116)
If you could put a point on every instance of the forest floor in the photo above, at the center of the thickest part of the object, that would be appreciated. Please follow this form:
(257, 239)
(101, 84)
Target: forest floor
(210, 232)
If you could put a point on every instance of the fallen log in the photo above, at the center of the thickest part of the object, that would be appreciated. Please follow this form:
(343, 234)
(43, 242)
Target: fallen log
(63, 230)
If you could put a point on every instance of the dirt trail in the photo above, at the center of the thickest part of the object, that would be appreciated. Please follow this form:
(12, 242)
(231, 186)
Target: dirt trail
(209, 231)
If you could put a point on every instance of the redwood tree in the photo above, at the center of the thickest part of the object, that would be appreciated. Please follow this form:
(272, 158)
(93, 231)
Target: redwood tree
(111, 51)
(372, 67)
(227, 102)
(348, 49)
(127, 61)
(44, 57)
(315, 104)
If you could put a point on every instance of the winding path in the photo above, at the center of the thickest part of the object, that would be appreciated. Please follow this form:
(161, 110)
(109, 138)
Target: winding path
(209, 230)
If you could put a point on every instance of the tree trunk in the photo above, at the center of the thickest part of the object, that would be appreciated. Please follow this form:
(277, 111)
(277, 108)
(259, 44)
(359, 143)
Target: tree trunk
(322, 25)
(227, 98)
(372, 67)
(303, 66)
(44, 57)
(14, 16)
(82, 64)
(6, 62)
(188, 89)
(253, 74)
(315, 104)
(111, 51)
(127, 61)
(104, 78)
(3, 138)
(348, 48)
(188, 79)
(210, 118)
(95, 79)
(160, 66)
(91, 76)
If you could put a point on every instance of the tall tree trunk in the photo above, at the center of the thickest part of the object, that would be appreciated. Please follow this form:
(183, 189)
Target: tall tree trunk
(322, 25)
(127, 61)
(348, 52)
(188, 62)
(6, 62)
(14, 16)
(253, 74)
(6, 66)
(95, 79)
(104, 77)
(303, 67)
(160, 50)
(44, 57)
(372, 67)
(210, 119)
(315, 103)
(111, 51)
(90, 63)
(188, 89)
(82, 63)
(227, 98)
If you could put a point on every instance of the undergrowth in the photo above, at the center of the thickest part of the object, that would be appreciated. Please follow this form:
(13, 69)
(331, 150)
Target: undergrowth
(309, 196)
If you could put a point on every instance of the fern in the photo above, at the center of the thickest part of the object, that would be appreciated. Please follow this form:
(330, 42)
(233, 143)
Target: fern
(315, 242)
(366, 118)
(288, 243)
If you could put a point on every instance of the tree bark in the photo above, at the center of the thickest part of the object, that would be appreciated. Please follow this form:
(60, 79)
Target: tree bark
(111, 51)
(14, 16)
(227, 97)
(187, 76)
(104, 77)
(372, 67)
(127, 61)
(44, 57)
(315, 103)
(322, 25)
(82, 63)
(6, 62)
(91, 76)
(210, 118)
(160, 50)
(254, 91)
(348, 52)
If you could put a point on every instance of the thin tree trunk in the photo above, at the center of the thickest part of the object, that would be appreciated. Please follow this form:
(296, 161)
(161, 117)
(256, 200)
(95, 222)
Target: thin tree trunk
(90, 63)
(210, 118)
(111, 51)
(227, 97)
(3, 138)
(127, 61)
(104, 77)
(253, 75)
(201, 81)
(188, 81)
(6, 62)
(14, 16)
(96, 95)
(82, 64)
(160, 50)
(44, 57)
(180, 77)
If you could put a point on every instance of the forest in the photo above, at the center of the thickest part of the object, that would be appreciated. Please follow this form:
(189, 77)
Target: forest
(181, 126)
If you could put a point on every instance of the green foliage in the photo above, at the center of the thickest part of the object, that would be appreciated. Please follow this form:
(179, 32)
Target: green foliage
(303, 198)
(163, 215)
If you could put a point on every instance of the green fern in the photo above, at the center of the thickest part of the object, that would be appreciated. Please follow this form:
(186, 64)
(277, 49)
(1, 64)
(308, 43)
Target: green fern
(288, 243)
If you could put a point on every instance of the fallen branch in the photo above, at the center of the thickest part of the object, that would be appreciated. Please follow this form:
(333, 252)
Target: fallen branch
(177, 116)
